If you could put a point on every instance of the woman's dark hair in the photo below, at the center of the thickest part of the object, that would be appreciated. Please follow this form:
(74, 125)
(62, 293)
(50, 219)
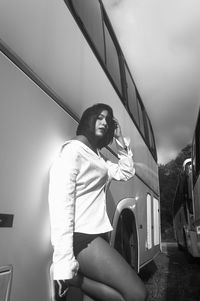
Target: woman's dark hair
(87, 123)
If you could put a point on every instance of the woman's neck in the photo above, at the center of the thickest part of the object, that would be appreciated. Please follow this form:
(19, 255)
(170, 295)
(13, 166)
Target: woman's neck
(85, 140)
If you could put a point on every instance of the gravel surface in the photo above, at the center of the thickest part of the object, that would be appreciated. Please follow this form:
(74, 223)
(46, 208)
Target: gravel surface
(170, 277)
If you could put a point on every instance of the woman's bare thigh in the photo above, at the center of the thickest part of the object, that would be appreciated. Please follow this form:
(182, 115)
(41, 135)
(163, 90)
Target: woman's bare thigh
(102, 263)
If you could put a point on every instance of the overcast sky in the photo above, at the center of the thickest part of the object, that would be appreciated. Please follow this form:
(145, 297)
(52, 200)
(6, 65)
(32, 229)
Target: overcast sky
(161, 43)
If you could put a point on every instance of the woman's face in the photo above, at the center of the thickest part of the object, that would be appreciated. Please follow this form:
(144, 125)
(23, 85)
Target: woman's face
(101, 125)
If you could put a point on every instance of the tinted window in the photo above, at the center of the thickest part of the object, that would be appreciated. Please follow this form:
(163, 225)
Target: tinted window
(132, 98)
(112, 59)
(141, 119)
(89, 12)
(150, 136)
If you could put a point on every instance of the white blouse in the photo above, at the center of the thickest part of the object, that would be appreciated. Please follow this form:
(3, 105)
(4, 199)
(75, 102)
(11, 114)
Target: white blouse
(77, 202)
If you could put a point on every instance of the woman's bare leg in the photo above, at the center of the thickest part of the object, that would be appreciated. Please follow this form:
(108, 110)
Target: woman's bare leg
(111, 274)
(87, 298)
(95, 290)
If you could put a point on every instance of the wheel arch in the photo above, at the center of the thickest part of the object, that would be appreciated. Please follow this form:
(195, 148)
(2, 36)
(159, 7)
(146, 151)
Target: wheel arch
(126, 211)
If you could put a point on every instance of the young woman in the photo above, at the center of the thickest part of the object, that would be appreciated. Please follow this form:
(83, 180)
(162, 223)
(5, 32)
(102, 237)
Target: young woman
(79, 222)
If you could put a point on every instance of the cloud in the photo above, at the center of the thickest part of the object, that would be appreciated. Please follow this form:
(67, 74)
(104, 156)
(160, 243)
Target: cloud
(161, 43)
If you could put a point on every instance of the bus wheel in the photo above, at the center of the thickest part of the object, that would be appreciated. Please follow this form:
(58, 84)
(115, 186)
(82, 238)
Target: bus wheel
(126, 242)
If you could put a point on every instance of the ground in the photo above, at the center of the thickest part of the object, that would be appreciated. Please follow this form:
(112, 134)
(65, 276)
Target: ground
(171, 277)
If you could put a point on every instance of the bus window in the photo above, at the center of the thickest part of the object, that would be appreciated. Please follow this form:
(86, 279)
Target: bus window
(150, 136)
(149, 223)
(141, 118)
(89, 12)
(132, 98)
(112, 59)
(90, 15)
(156, 222)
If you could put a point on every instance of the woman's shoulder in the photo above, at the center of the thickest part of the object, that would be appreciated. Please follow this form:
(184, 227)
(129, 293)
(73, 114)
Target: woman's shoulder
(71, 145)
(77, 146)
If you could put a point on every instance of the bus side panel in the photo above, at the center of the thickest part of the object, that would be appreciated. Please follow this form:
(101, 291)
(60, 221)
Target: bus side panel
(137, 190)
(32, 130)
(56, 50)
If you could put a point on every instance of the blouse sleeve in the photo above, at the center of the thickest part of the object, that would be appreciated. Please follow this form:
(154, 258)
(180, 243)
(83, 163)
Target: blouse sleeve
(61, 204)
(124, 169)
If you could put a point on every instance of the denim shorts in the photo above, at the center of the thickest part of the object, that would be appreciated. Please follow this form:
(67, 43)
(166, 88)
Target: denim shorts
(81, 240)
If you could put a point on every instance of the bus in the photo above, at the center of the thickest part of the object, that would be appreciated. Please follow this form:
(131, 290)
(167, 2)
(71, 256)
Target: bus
(186, 206)
(58, 58)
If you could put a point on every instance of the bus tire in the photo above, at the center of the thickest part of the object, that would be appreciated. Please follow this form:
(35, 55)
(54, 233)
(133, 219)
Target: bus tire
(126, 241)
